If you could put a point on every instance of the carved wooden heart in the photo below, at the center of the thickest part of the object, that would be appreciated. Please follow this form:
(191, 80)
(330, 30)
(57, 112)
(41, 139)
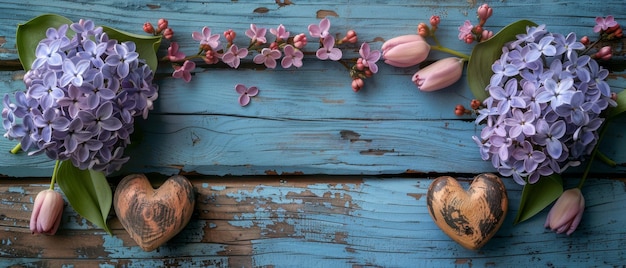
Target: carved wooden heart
(153, 216)
(469, 217)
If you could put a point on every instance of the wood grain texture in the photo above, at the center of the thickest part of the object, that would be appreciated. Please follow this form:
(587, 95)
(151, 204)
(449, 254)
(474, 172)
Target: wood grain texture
(327, 221)
(377, 150)
(295, 124)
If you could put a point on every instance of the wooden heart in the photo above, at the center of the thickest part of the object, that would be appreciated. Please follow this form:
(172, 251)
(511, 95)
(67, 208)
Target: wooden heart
(153, 216)
(469, 217)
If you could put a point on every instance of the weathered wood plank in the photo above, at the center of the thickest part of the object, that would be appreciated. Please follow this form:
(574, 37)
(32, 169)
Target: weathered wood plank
(280, 221)
(389, 123)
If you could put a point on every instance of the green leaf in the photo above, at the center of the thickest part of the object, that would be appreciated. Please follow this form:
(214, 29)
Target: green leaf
(30, 33)
(147, 45)
(486, 53)
(87, 191)
(621, 105)
(536, 197)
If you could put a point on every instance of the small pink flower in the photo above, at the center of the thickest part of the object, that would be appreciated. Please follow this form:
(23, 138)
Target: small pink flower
(328, 50)
(280, 33)
(299, 41)
(293, 56)
(369, 57)
(321, 30)
(233, 56)
(257, 35)
(604, 23)
(184, 71)
(173, 54)
(245, 93)
(47, 212)
(268, 57)
(206, 38)
(567, 212)
(465, 29)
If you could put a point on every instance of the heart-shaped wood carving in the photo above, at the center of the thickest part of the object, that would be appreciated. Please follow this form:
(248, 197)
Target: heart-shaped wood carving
(153, 216)
(469, 217)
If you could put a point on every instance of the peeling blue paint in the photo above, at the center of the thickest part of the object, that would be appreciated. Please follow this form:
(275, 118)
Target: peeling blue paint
(17, 189)
(205, 185)
(218, 188)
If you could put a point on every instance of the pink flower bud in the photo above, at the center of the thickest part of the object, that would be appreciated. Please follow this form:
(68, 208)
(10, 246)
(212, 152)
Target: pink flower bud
(299, 41)
(357, 84)
(350, 37)
(485, 35)
(438, 75)
(47, 212)
(168, 33)
(469, 38)
(162, 24)
(605, 53)
(148, 28)
(567, 212)
(405, 50)
(434, 21)
(484, 12)
(585, 40)
(423, 30)
(230, 35)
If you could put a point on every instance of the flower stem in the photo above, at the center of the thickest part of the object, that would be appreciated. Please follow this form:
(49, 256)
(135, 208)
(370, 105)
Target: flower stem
(451, 51)
(594, 154)
(17, 148)
(54, 174)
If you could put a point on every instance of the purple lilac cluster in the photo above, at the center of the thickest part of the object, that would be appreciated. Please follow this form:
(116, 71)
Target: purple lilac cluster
(544, 108)
(82, 94)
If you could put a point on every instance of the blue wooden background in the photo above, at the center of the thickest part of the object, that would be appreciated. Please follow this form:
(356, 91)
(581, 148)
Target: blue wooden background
(354, 166)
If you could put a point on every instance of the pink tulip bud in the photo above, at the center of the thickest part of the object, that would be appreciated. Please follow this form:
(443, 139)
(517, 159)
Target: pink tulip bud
(405, 51)
(438, 75)
(567, 212)
(47, 212)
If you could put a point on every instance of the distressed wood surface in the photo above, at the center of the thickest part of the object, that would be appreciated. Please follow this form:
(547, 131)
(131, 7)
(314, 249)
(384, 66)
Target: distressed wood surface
(347, 221)
(355, 166)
